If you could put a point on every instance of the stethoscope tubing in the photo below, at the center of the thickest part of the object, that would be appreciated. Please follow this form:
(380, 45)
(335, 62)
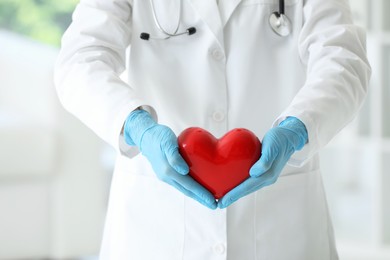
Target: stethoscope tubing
(281, 6)
(278, 21)
(159, 25)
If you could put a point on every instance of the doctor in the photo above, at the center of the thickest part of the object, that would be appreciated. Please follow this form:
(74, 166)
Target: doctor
(294, 72)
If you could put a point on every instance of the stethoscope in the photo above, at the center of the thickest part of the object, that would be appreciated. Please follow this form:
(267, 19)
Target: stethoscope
(278, 21)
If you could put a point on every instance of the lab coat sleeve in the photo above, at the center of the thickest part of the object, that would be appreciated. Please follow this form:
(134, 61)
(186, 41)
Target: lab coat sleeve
(333, 50)
(87, 71)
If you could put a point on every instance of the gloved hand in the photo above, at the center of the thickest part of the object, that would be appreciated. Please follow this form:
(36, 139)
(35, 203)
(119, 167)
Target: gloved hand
(159, 145)
(278, 144)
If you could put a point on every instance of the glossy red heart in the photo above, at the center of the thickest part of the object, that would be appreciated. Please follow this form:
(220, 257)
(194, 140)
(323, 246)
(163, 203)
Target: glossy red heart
(219, 164)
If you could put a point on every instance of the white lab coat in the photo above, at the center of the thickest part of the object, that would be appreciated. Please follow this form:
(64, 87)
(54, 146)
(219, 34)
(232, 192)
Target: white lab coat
(234, 72)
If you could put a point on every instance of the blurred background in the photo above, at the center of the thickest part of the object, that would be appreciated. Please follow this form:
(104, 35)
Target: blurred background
(55, 174)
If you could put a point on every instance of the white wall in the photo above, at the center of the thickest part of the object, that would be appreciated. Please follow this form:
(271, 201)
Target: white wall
(53, 184)
(355, 165)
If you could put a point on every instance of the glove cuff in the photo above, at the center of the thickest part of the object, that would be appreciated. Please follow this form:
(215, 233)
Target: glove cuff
(298, 127)
(136, 125)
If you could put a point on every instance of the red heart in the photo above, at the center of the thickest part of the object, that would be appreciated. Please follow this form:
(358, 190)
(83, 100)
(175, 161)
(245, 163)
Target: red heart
(219, 164)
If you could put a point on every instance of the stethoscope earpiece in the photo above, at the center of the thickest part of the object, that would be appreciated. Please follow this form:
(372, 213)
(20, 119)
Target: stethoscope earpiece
(145, 36)
(191, 30)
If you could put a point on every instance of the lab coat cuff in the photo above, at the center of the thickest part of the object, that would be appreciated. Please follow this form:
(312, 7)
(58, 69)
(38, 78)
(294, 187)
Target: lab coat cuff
(299, 158)
(121, 146)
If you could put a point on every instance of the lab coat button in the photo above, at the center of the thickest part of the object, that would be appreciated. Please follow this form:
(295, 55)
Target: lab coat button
(219, 249)
(218, 54)
(218, 116)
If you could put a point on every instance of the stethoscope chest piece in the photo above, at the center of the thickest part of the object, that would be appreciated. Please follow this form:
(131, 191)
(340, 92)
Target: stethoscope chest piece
(280, 24)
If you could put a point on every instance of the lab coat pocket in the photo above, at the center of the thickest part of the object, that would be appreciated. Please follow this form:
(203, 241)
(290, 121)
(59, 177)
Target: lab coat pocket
(145, 217)
(292, 220)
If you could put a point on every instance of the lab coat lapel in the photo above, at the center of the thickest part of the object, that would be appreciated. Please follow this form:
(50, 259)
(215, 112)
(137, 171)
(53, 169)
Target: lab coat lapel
(208, 10)
(227, 8)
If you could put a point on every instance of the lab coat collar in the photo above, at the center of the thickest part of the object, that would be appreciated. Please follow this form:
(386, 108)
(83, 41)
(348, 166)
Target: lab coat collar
(215, 16)
(226, 9)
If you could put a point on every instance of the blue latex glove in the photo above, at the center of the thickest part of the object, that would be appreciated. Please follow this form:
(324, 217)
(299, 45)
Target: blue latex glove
(159, 145)
(278, 144)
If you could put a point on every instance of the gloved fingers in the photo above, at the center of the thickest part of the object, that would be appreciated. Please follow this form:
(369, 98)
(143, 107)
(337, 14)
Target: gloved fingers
(269, 178)
(260, 167)
(249, 186)
(266, 181)
(193, 189)
(176, 161)
(237, 192)
(227, 202)
(268, 156)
